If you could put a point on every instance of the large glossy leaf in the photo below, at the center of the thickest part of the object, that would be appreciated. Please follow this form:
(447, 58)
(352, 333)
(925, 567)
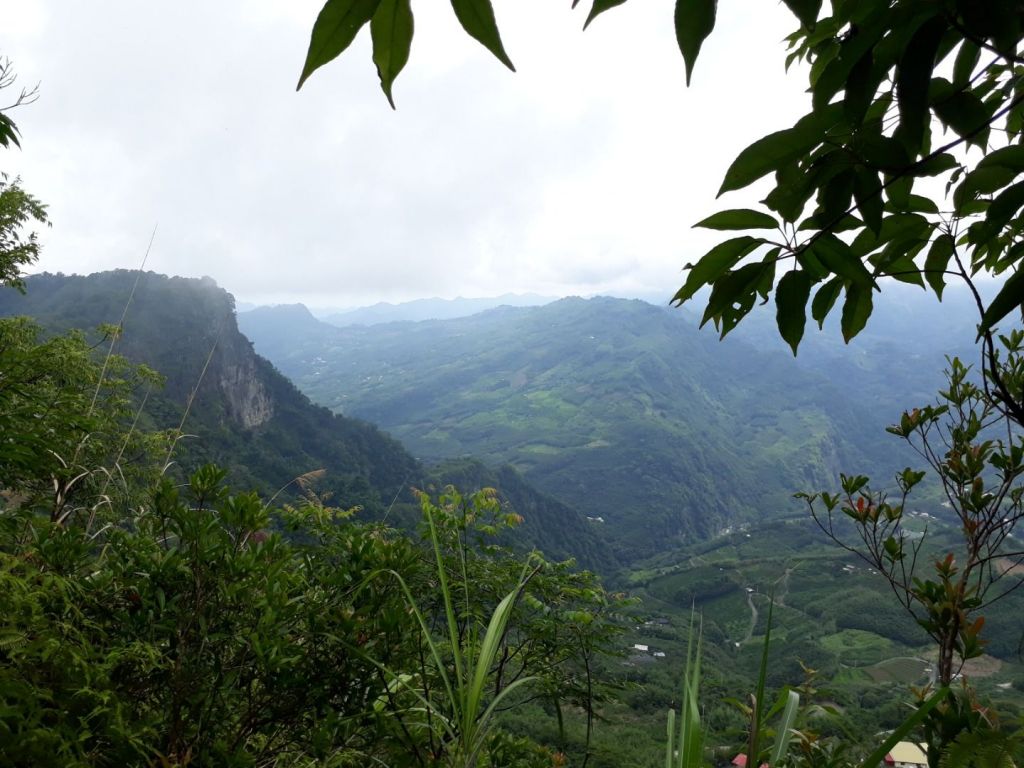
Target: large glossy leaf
(913, 76)
(899, 226)
(391, 29)
(867, 191)
(694, 20)
(966, 114)
(335, 29)
(1011, 157)
(734, 294)
(714, 264)
(477, 18)
(855, 46)
(839, 259)
(780, 148)
(966, 60)
(1010, 296)
(1005, 206)
(936, 262)
(825, 299)
(599, 7)
(791, 296)
(856, 310)
(738, 218)
(860, 88)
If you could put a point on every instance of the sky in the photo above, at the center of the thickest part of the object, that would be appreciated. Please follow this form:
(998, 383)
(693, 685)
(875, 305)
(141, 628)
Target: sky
(581, 173)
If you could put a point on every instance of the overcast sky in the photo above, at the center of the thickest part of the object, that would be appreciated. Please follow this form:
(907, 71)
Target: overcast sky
(582, 173)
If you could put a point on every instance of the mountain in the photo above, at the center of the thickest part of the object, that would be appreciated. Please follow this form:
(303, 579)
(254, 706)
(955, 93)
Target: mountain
(616, 407)
(431, 309)
(250, 419)
(245, 415)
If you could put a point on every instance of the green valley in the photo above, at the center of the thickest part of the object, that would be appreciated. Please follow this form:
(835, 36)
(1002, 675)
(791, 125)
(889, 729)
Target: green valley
(619, 408)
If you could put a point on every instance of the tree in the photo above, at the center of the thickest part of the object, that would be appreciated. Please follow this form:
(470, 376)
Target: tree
(17, 207)
(907, 166)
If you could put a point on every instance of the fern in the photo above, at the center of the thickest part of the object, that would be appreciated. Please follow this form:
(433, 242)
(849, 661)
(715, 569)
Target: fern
(985, 749)
(11, 640)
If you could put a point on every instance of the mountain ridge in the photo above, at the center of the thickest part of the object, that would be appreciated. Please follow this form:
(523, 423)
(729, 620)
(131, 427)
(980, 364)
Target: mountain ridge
(615, 406)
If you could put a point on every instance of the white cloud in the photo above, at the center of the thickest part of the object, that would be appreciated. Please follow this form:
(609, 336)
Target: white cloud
(581, 173)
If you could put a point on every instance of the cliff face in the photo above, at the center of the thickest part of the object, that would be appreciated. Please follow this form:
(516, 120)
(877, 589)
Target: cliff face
(247, 399)
(244, 415)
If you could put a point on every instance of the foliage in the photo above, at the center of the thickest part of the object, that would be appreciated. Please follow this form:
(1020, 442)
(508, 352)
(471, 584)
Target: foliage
(505, 621)
(70, 448)
(17, 250)
(193, 632)
(980, 472)
(969, 444)
(687, 749)
(194, 635)
(17, 207)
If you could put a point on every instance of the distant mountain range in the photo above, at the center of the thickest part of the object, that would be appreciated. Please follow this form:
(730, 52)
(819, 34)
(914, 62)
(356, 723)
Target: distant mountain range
(623, 409)
(428, 309)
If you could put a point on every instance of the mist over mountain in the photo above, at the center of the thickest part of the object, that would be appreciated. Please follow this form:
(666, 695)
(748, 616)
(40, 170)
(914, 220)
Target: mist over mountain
(429, 309)
(618, 407)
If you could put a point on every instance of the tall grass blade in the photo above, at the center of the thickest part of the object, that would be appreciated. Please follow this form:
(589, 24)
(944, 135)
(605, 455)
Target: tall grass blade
(904, 728)
(758, 704)
(669, 746)
(785, 729)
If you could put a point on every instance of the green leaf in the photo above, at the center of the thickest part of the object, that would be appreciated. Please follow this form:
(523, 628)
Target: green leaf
(477, 18)
(834, 198)
(335, 29)
(8, 132)
(899, 226)
(913, 76)
(780, 148)
(734, 294)
(785, 728)
(695, 20)
(738, 218)
(715, 263)
(936, 262)
(599, 7)
(913, 204)
(1011, 157)
(805, 10)
(391, 29)
(965, 113)
(966, 60)
(883, 153)
(860, 89)
(1010, 296)
(856, 310)
(839, 258)
(791, 296)
(1005, 206)
(983, 180)
(933, 166)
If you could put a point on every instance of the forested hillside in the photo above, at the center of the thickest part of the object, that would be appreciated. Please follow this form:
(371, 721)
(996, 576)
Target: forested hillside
(244, 415)
(251, 420)
(618, 407)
